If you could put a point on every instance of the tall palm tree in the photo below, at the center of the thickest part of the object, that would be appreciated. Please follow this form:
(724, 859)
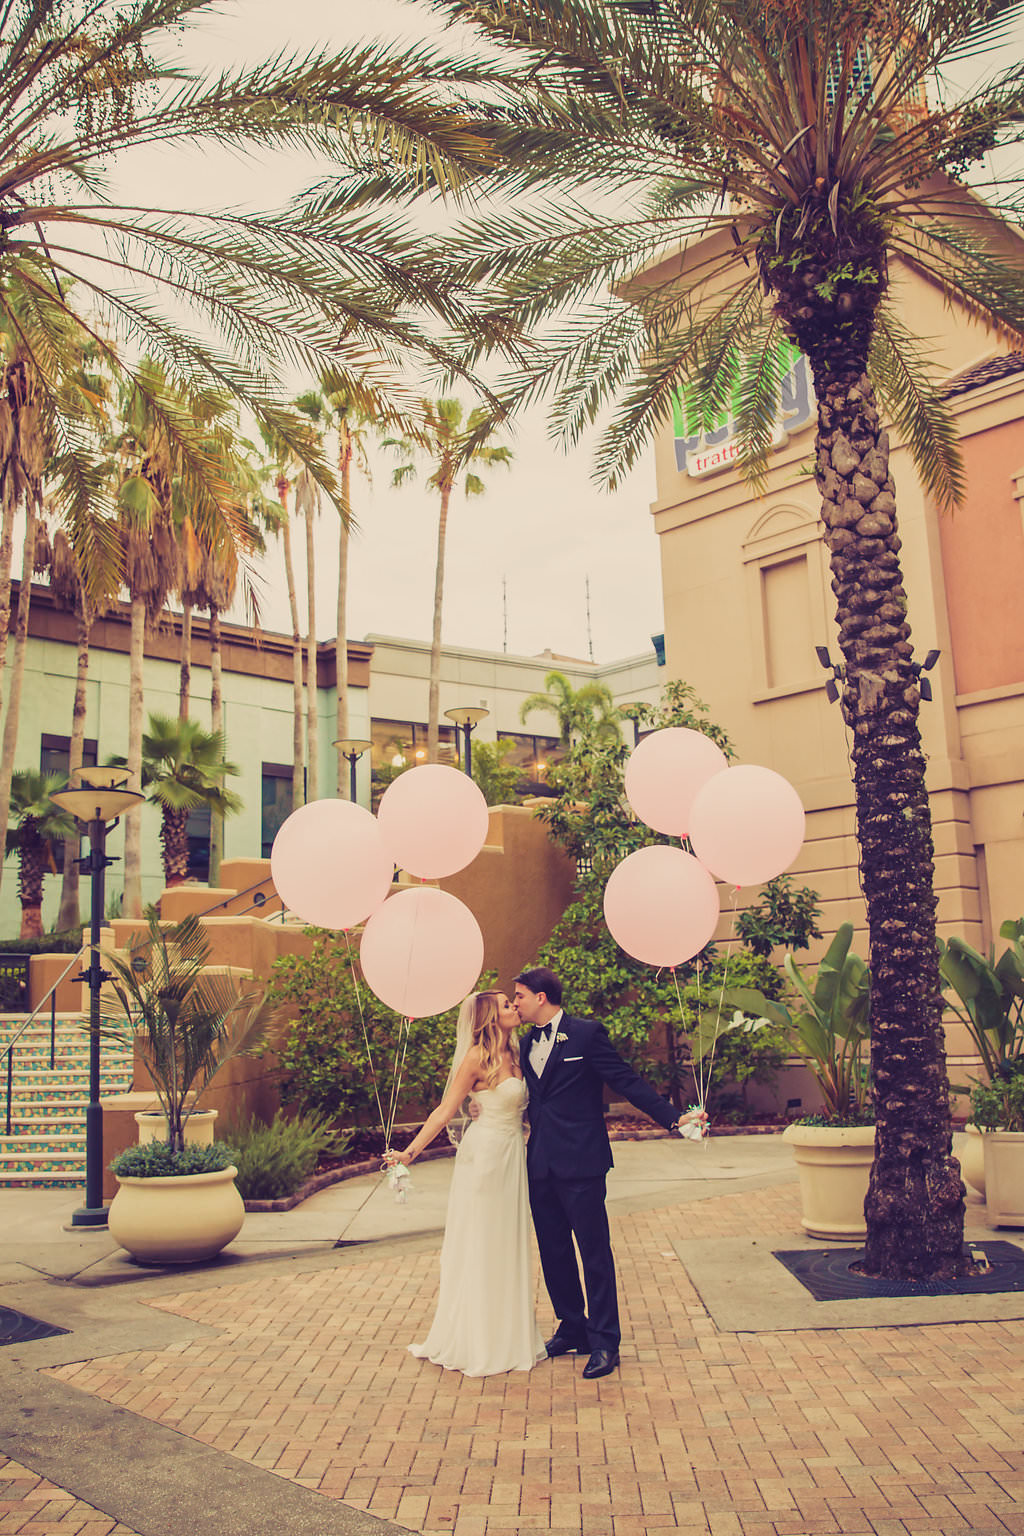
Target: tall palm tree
(274, 515)
(39, 824)
(453, 443)
(321, 283)
(307, 506)
(183, 768)
(587, 713)
(737, 174)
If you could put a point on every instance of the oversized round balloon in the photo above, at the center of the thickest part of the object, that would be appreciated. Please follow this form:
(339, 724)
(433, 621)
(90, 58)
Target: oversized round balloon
(661, 905)
(747, 824)
(664, 773)
(433, 820)
(422, 952)
(329, 863)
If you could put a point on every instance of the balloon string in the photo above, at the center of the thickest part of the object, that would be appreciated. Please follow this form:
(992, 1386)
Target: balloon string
(723, 986)
(366, 1040)
(401, 1050)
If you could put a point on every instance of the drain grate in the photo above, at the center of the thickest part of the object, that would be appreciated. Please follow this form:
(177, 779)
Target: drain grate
(829, 1274)
(19, 1328)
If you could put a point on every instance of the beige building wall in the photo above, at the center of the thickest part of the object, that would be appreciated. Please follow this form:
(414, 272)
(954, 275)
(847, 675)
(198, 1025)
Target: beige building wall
(747, 600)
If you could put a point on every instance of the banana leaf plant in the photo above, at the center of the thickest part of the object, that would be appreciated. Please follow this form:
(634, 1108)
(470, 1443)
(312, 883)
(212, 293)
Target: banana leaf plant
(187, 1022)
(991, 996)
(829, 1024)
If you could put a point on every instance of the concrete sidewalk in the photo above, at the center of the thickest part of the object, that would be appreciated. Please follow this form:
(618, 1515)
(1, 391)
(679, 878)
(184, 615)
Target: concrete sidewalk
(271, 1391)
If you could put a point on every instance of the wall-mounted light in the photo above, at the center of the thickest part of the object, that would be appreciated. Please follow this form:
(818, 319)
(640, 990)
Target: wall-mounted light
(917, 667)
(838, 673)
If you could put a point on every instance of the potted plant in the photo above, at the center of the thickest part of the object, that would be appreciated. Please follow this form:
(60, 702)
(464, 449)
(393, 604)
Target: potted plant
(989, 1003)
(829, 1026)
(177, 1203)
(997, 1108)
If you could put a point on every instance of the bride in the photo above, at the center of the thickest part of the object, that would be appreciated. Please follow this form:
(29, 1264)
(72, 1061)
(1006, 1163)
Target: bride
(485, 1322)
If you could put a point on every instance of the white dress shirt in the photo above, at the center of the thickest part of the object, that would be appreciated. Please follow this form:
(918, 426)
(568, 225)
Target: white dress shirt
(540, 1050)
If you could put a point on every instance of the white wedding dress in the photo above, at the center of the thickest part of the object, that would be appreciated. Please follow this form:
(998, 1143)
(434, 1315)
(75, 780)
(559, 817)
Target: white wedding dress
(485, 1322)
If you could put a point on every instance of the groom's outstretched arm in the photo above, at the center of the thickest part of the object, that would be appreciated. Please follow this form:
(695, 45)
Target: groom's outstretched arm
(618, 1074)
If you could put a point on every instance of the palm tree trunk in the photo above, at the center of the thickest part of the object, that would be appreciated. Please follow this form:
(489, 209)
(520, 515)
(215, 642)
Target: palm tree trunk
(217, 724)
(174, 845)
(341, 729)
(133, 818)
(6, 561)
(70, 913)
(312, 685)
(31, 870)
(298, 757)
(11, 718)
(915, 1208)
(185, 671)
(434, 687)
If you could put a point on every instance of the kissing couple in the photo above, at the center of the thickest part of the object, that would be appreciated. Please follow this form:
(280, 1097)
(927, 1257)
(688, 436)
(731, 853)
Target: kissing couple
(485, 1321)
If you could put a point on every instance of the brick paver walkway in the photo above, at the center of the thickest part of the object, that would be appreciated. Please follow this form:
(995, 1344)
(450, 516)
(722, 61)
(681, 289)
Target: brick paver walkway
(888, 1432)
(30, 1506)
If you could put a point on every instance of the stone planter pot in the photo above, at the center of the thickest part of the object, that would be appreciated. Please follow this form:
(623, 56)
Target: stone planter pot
(834, 1164)
(972, 1159)
(1004, 1178)
(182, 1219)
(152, 1126)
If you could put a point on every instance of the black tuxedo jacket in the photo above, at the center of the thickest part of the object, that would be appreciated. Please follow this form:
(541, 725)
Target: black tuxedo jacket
(568, 1135)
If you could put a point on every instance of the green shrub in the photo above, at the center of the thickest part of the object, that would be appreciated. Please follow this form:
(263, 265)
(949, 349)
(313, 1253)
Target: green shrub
(741, 1056)
(324, 1050)
(999, 1105)
(155, 1160)
(274, 1160)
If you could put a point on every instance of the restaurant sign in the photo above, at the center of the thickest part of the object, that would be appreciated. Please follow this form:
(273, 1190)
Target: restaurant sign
(700, 453)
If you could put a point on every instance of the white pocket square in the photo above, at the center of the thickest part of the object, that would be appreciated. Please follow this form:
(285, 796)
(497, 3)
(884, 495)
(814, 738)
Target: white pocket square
(572, 1058)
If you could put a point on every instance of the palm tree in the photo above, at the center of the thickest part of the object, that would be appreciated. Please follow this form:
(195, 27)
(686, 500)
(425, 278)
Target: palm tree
(762, 167)
(318, 284)
(39, 824)
(183, 768)
(453, 444)
(276, 518)
(307, 505)
(587, 713)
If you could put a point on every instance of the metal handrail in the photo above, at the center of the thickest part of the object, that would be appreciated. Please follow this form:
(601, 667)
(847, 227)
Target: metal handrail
(51, 997)
(267, 879)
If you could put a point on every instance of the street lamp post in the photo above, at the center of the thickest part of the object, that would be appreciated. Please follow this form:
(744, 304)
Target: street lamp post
(98, 799)
(469, 718)
(353, 750)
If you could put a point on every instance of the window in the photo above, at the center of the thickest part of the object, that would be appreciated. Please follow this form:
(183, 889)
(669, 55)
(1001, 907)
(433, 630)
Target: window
(407, 741)
(54, 752)
(788, 632)
(197, 830)
(786, 582)
(275, 803)
(533, 755)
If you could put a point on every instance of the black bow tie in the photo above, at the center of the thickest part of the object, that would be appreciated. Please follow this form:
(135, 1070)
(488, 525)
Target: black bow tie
(540, 1032)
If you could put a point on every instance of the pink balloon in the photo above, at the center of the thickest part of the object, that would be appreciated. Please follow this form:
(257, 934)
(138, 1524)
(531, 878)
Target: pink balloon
(664, 773)
(747, 825)
(329, 864)
(661, 905)
(422, 952)
(433, 820)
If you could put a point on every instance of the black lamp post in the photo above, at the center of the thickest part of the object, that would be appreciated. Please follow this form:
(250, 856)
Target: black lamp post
(97, 799)
(469, 718)
(353, 750)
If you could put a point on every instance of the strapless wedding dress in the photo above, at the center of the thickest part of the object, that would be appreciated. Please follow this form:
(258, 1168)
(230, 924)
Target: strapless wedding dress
(485, 1322)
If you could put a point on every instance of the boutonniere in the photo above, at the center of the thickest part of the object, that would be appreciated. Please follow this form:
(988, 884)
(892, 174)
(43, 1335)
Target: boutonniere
(560, 1039)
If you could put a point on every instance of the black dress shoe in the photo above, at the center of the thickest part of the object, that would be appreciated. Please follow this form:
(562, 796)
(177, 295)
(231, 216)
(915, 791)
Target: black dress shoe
(601, 1363)
(565, 1344)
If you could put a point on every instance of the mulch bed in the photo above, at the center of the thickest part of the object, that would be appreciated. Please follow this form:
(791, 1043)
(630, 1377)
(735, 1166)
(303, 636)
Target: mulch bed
(366, 1150)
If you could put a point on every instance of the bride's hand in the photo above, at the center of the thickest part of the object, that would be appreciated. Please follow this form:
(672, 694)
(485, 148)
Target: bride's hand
(392, 1156)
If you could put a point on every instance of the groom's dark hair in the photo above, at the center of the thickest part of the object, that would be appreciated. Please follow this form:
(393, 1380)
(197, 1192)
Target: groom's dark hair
(540, 979)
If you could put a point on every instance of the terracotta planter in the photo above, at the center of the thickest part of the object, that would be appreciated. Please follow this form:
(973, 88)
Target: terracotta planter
(972, 1159)
(834, 1163)
(152, 1126)
(1004, 1178)
(178, 1220)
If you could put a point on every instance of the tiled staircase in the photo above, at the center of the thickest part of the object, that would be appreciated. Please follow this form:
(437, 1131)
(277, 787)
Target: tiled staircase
(46, 1147)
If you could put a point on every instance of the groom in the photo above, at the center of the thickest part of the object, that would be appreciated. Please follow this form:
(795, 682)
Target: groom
(566, 1062)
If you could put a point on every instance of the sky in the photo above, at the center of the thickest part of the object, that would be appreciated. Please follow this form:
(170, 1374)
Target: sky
(519, 558)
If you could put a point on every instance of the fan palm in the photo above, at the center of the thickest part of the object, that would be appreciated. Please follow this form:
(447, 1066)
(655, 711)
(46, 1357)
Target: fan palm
(183, 768)
(763, 165)
(39, 824)
(325, 282)
(453, 443)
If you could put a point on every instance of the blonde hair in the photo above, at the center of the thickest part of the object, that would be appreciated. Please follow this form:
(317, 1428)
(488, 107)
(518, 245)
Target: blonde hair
(488, 1037)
